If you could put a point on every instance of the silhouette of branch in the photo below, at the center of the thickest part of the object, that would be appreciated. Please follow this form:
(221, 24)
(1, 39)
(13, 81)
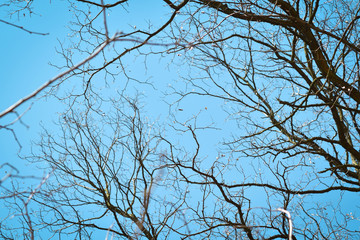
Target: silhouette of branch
(22, 28)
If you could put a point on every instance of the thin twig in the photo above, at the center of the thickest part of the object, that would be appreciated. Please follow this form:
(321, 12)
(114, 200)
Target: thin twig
(105, 23)
(22, 28)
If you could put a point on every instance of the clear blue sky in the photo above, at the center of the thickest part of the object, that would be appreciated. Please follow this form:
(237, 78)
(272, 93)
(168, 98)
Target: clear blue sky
(24, 65)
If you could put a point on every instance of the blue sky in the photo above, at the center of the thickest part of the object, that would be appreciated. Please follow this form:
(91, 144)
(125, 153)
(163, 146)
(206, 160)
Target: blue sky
(24, 66)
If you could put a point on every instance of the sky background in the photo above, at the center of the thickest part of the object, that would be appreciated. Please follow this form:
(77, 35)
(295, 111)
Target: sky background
(24, 66)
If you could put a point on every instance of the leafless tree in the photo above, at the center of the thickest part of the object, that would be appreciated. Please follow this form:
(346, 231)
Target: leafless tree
(287, 73)
(110, 171)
